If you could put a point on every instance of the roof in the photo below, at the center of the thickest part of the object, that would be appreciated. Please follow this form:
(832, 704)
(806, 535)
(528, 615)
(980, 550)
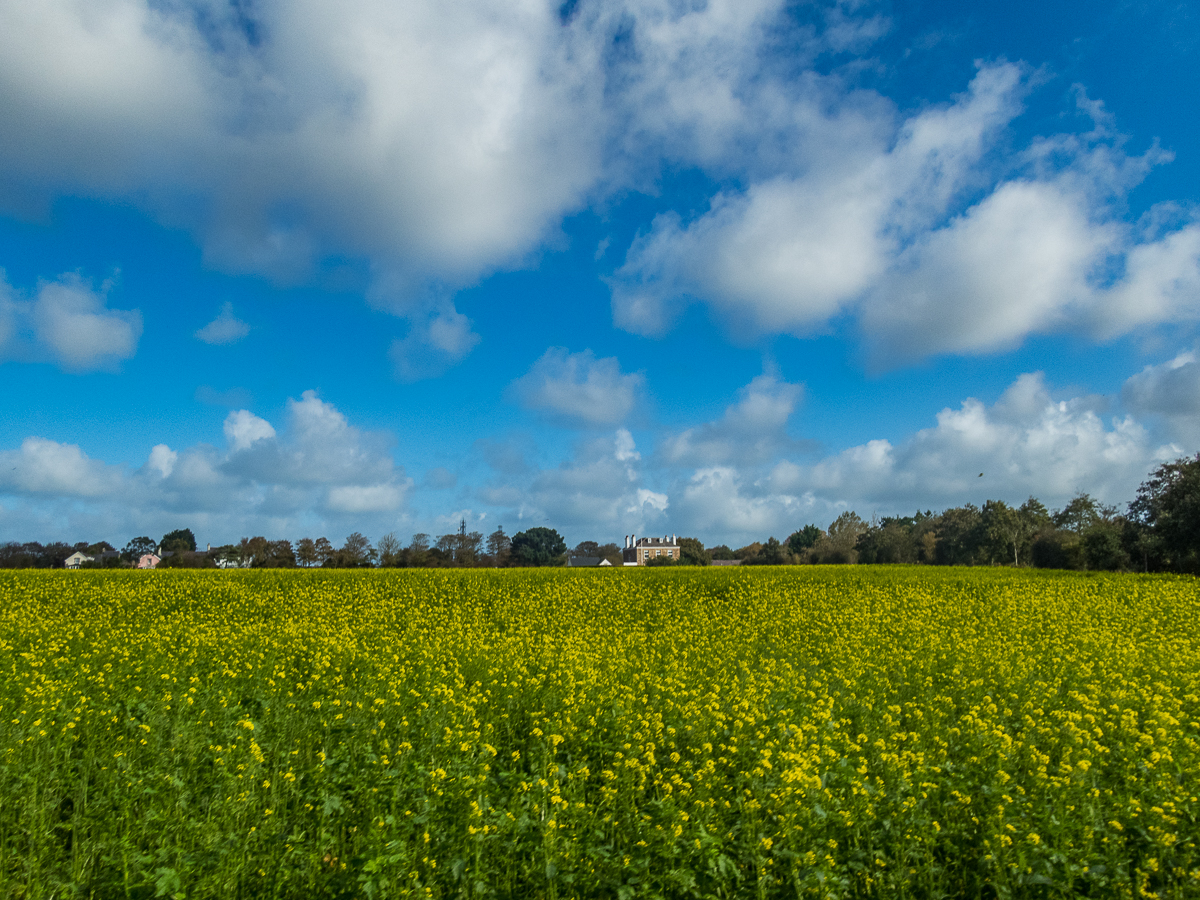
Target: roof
(579, 562)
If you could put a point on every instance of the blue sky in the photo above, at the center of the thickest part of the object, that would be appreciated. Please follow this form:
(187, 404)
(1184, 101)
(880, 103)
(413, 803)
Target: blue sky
(719, 268)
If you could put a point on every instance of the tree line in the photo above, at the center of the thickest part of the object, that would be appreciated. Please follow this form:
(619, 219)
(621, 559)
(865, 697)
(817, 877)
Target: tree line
(1158, 531)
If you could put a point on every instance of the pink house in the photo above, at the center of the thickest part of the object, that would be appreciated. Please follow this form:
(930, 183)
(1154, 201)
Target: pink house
(148, 561)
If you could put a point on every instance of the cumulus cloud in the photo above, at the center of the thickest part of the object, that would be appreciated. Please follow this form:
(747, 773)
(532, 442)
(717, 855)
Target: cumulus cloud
(1026, 443)
(226, 328)
(799, 244)
(243, 428)
(916, 230)
(67, 322)
(1170, 390)
(318, 469)
(434, 145)
(752, 430)
(579, 389)
(434, 148)
(46, 467)
(432, 345)
(598, 493)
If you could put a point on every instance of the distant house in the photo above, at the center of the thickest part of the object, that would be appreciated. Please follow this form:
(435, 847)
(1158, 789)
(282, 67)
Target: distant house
(77, 559)
(148, 560)
(583, 562)
(639, 551)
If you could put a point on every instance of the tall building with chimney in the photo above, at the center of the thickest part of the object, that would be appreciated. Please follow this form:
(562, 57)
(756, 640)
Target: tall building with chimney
(640, 550)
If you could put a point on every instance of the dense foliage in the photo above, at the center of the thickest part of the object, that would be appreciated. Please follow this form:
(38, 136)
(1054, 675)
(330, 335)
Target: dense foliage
(743, 732)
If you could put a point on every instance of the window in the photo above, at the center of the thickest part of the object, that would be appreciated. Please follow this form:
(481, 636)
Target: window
(645, 554)
(658, 553)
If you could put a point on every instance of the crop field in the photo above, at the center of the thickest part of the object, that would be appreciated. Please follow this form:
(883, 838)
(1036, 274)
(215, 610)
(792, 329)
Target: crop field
(792, 732)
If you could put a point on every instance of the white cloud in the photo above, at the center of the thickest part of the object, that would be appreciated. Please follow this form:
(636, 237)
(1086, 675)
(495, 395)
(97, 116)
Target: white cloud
(226, 328)
(596, 495)
(436, 144)
(432, 148)
(71, 320)
(68, 323)
(318, 472)
(752, 430)
(797, 246)
(432, 345)
(243, 428)
(939, 241)
(578, 388)
(1170, 390)
(719, 503)
(1027, 443)
(1012, 265)
(43, 466)
(626, 448)
(366, 498)
(162, 460)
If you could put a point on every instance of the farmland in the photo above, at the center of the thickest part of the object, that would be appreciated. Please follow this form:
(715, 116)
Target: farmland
(775, 732)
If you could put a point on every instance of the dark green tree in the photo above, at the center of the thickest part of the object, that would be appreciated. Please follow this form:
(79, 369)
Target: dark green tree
(1168, 507)
(958, 535)
(179, 540)
(538, 547)
(692, 552)
(137, 548)
(1079, 515)
(799, 541)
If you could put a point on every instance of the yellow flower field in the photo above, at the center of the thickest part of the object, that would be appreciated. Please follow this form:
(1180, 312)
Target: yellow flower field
(792, 732)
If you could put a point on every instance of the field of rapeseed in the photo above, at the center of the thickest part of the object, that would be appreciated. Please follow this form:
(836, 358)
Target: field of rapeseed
(799, 732)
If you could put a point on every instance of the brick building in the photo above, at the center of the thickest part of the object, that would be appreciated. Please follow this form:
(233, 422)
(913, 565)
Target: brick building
(639, 551)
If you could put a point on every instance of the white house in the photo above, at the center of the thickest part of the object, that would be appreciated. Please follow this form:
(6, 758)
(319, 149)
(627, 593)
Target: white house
(76, 559)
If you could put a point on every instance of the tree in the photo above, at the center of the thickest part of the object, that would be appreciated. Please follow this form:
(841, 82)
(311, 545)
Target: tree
(958, 534)
(417, 552)
(306, 552)
(838, 543)
(1079, 515)
(612, 553)
(389, 550)
(178, 540)
(357, 552)
(1103, 547)
(498, 547)
(324, 550)
(1168, 508)
(586, 549)
(277, 555)
(799, 541)
(538, 547)
(137, 548)
(772, 553)
(891, 540)
(1003, 531)
(692, 552)
(721, 551)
